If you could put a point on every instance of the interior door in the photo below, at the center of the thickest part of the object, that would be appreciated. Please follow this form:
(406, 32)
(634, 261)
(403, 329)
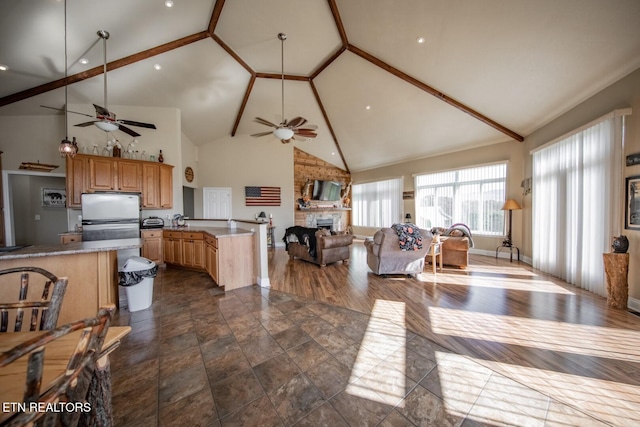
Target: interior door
(216, 202)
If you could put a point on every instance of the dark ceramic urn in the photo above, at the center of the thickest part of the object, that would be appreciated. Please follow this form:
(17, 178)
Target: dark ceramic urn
(620, 244)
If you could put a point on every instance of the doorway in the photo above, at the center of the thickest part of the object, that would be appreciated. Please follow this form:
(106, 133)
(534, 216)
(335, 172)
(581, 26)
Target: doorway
(29, 218)
(188, 202)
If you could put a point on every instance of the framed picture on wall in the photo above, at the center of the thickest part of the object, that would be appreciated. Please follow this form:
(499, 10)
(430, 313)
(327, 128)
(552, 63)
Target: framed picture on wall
(632, 204)
(54, 197)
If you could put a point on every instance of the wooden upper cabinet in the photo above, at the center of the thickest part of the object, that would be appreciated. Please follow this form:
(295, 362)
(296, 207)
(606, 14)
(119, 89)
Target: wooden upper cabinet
(77, 180)
(102, 174)
(87, 174)
(166, 186)
(151, 185)
(129, 176)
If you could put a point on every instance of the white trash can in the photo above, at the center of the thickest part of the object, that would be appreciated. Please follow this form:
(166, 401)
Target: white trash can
(136, 277)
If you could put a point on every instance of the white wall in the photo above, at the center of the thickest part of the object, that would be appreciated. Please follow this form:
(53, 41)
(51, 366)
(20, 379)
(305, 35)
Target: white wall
(242, 161)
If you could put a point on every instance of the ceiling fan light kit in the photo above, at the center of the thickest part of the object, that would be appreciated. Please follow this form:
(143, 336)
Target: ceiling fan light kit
(287, 131)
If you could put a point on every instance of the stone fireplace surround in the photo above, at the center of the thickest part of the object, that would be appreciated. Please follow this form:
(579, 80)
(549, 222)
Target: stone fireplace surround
(325, 220)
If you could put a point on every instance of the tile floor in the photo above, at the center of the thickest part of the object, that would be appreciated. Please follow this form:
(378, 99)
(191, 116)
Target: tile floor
(256, 357)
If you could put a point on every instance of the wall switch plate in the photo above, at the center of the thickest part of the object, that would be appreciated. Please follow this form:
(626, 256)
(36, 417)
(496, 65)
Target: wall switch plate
(37, 217)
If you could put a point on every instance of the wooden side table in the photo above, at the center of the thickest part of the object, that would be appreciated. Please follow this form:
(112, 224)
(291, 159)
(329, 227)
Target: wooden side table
(434, 252)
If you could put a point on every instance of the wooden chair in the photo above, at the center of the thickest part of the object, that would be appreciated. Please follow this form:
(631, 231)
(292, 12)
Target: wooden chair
(73, 385)
(44, 312)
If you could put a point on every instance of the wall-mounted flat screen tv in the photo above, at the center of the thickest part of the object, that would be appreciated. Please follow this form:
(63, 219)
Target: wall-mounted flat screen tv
(326, 190)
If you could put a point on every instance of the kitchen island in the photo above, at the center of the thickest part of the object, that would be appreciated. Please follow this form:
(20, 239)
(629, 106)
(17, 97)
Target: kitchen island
(91, 267)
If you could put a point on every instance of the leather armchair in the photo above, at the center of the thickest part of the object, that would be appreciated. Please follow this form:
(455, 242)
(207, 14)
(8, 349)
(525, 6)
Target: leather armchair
(384, 255)
(328, 248)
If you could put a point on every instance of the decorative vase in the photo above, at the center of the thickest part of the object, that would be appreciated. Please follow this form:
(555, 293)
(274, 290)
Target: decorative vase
(620, 244)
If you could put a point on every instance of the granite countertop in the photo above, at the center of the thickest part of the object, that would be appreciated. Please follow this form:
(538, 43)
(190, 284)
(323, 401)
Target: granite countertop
(213, 231)
(72, 248)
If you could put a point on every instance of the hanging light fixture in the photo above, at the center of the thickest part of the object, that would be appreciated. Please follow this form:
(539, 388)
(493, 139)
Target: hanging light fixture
(66, 148)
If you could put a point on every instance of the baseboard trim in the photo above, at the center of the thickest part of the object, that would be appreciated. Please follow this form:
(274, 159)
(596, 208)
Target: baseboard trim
(633, 304)
(264, 283)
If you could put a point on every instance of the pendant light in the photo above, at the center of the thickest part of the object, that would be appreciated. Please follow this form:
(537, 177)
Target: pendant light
(66, 148)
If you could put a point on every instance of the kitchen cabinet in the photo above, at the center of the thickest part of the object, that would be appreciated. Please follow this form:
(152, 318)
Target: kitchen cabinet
(87, 173)
(151, 185)
(102, 172)
(166, 186)
(77, 180)
(70, 238)
(152, 245)
(172, 247)
(193, 250)
(211, 256)
(129, 176)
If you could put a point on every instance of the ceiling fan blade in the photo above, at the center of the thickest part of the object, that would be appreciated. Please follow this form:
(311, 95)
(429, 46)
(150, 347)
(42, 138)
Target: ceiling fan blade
(297, 121)
(264, 122)
(127, 130)
(305, 132)
(101, 111)
(263, 133)
(308, 127)
(68, 111)
(139, 124)
(299, 138)
(85, 124)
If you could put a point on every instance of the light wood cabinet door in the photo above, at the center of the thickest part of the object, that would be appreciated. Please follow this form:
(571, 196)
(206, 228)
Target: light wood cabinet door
(172, 248)
(102, 174)
(211, 255)
(77, 180)
(152, 245)
(151, 185)
(70, 238)
(129, 176)
(166, 186)
(193, 253)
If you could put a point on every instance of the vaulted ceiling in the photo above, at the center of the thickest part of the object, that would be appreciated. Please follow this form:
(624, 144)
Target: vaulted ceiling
(488, 71)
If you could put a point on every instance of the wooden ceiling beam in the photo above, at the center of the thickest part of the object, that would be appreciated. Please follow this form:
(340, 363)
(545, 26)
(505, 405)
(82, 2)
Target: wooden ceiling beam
(423, 86)
(215, 15)
(328, 62)
(279, 77)
(233, 54)
(113, 65)
(338, 20)
(247, 93)
(326, 119)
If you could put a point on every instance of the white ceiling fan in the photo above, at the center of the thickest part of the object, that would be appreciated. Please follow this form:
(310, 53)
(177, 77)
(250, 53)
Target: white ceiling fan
(287, 130)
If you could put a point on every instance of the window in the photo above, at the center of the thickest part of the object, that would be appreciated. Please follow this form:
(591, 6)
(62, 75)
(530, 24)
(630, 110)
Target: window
(576, 201)
(471, 196)
(377, 204)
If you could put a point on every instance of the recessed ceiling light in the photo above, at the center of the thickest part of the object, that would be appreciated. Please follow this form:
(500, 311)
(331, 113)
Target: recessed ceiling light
(368, 107)
(3, 67)
(168, 3)
(333, 153)
(84, 61)
(420, 40)
(157, 66)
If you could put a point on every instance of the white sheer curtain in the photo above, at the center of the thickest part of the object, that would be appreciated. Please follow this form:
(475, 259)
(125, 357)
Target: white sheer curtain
(577, 185)
(377, 204)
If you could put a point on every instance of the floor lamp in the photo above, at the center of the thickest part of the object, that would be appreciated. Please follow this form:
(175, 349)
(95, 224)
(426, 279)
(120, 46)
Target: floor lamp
(510, 205)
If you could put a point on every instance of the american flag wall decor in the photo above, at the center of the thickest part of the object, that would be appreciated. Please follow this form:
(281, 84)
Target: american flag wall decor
(262, 196)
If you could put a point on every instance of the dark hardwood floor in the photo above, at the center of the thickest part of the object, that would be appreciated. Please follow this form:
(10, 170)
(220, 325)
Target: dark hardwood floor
(496, 344)
(524, 324)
